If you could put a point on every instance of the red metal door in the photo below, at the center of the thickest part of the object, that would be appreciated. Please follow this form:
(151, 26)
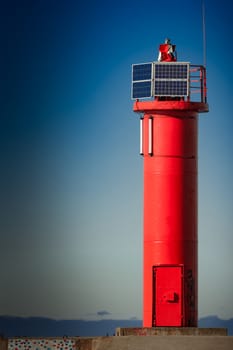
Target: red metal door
(168, 296)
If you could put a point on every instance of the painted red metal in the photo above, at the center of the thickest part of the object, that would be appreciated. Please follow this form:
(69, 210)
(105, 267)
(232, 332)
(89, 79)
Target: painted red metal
(164, 48)
(169, 147)
(168, 291)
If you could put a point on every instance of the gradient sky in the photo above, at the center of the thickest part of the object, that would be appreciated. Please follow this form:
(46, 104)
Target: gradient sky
(71, 175)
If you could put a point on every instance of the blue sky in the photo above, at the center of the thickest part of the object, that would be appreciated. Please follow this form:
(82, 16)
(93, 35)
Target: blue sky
(71, 175)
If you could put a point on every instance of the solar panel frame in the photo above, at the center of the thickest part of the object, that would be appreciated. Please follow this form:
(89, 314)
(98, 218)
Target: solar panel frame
(169, 79)
(142, 76)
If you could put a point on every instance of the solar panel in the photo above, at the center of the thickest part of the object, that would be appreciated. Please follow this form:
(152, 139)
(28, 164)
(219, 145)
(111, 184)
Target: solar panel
(142, 89)
(142, 71)
(171, 71)
(142, 80)
(160, 79)
(171, 79)
(170, 88)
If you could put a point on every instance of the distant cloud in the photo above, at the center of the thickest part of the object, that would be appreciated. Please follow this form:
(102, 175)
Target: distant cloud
(103, 313)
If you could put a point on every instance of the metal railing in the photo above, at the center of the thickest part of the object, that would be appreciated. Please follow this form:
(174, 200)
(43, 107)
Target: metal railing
(197, 83)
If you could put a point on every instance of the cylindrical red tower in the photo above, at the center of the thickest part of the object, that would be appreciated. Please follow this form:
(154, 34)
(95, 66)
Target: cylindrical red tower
(169, 146)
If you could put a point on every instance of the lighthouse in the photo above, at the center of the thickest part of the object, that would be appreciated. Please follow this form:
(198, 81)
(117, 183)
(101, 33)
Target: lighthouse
(169, 95)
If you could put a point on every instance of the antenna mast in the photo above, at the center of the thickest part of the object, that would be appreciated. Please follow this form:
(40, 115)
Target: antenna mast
(204, 34)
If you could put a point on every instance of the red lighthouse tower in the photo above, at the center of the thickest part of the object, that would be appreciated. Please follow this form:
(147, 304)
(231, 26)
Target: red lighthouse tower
(169, 95)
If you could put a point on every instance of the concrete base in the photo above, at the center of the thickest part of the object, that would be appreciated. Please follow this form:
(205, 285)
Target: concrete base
(171, 342)
(171, 331)
(149, 342)
(161, 338)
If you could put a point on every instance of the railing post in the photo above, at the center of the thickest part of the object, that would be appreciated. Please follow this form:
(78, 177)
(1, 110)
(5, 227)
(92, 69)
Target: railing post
(201, 83)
